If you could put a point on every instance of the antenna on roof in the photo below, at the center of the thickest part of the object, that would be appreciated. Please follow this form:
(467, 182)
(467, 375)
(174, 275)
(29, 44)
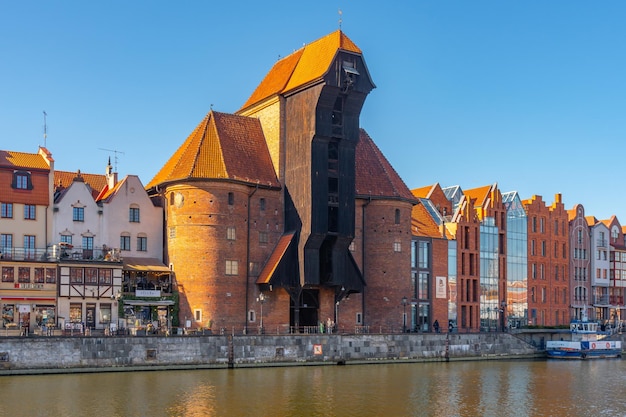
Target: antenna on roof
(115, 152)
(45, 128)
(340, 21)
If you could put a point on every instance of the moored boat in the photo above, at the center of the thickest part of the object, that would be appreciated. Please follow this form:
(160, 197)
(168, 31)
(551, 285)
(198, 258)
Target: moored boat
(587, 343)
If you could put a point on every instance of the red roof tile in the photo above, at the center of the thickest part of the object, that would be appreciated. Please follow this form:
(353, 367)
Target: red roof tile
(422, 223)
(375, 177)
(14, 160)
(222, 146)
(304, 66)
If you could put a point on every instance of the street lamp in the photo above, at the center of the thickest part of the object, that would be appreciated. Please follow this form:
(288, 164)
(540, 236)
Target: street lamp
(261, 299)
(404, 301)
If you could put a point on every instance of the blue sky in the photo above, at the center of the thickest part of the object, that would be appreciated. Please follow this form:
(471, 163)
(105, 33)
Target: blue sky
(526, 94)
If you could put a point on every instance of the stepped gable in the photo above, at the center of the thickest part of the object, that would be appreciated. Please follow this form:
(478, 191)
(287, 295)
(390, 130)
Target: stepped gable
(15, 160)
(307, 65)
(375, 177)
(222, 146)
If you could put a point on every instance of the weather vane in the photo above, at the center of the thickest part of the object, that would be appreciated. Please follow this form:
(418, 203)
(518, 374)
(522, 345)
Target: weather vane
(340, 13)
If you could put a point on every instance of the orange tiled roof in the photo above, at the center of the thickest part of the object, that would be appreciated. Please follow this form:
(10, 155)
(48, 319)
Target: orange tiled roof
(65, 178)
(222, 146)
(272, 263)
(423, 221)
(306, 65)
(422, 192)
(13, 160)
(591, 220)
(479, 194)
(375, 177)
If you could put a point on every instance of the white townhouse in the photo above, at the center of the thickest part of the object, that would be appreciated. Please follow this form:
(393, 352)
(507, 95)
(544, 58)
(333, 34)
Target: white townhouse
(600, 269)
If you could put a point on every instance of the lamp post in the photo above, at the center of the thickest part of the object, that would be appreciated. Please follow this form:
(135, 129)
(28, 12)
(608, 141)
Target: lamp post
(261, 299)
(404, 301)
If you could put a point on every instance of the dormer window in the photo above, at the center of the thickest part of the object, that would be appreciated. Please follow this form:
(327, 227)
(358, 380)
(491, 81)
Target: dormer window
(22, 180)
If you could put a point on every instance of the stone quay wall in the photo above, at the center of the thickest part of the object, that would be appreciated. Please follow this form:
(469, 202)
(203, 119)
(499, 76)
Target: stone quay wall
(66, 354)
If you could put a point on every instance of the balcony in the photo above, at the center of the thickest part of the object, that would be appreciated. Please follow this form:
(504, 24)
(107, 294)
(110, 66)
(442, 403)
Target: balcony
(23, 254)
(602, 243)
(65, 252)
(601, 300)
(61, 252)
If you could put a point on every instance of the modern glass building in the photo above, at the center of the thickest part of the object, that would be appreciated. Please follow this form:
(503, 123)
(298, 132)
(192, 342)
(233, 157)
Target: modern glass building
(517, 260)
(489, 273)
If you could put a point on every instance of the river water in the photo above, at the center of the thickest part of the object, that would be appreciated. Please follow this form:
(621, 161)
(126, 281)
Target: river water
(477, 388)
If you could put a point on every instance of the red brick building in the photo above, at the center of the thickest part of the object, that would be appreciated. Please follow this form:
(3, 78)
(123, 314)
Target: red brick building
(286, 215)
(548, 262)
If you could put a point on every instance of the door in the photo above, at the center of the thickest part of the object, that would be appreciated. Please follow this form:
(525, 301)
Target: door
(90, 319)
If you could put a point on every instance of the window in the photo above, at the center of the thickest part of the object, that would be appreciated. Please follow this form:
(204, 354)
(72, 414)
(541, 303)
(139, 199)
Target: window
(262, 204)
(39, 275)
(66, 239)
(423, 254)
(78, 214)
(6, 211)
(23, 274)
(8, 274)
(133, 215)
(397, 247)
(51, 276)
(231, 267)
(251, 316)
(21, 181)
(29, 212)
(87, 242)
(76, 275)
(142, 243)
(29, 246)
(6, 243)
(263, 237)
(105, 313)
(231, 199)
(197, 315)
(397, 217)
(230, 233)
(125, 242)
(91, 275)
(105, 276)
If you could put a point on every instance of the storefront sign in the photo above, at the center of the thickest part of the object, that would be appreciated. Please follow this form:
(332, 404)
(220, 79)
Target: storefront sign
(29, 286)
(148, 293)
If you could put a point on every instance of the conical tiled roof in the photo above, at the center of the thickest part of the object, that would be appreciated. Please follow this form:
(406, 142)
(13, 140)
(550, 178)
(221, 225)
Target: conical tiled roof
(304, 66)
(375, 177)
(222, 146)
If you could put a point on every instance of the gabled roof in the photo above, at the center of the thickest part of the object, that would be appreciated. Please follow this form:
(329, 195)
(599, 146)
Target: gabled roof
(107, 193)
(423, 192)
(308, 64)
(16, 160)
(423, 224)
(375, 177)
(480, 194)
(223, 146)
(63, 179)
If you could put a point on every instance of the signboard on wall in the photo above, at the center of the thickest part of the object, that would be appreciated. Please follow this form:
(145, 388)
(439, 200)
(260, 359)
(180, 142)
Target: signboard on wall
(440, 289)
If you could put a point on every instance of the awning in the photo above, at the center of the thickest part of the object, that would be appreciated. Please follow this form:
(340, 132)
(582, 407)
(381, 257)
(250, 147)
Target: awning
(148, 303)
(268, 270)
(144, 264)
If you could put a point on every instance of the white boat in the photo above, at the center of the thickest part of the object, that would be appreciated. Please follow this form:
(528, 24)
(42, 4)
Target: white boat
(587, 343)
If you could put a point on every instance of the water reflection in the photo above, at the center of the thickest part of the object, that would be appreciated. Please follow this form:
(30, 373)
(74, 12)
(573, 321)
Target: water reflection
(493, 388)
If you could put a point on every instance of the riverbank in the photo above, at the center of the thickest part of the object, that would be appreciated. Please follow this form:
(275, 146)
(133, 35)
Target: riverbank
(67, 354)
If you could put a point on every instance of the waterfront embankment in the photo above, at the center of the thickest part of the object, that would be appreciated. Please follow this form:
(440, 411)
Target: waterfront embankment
(66, 354)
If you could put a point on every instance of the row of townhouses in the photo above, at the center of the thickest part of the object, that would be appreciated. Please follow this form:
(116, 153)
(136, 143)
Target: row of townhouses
(285, 216)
